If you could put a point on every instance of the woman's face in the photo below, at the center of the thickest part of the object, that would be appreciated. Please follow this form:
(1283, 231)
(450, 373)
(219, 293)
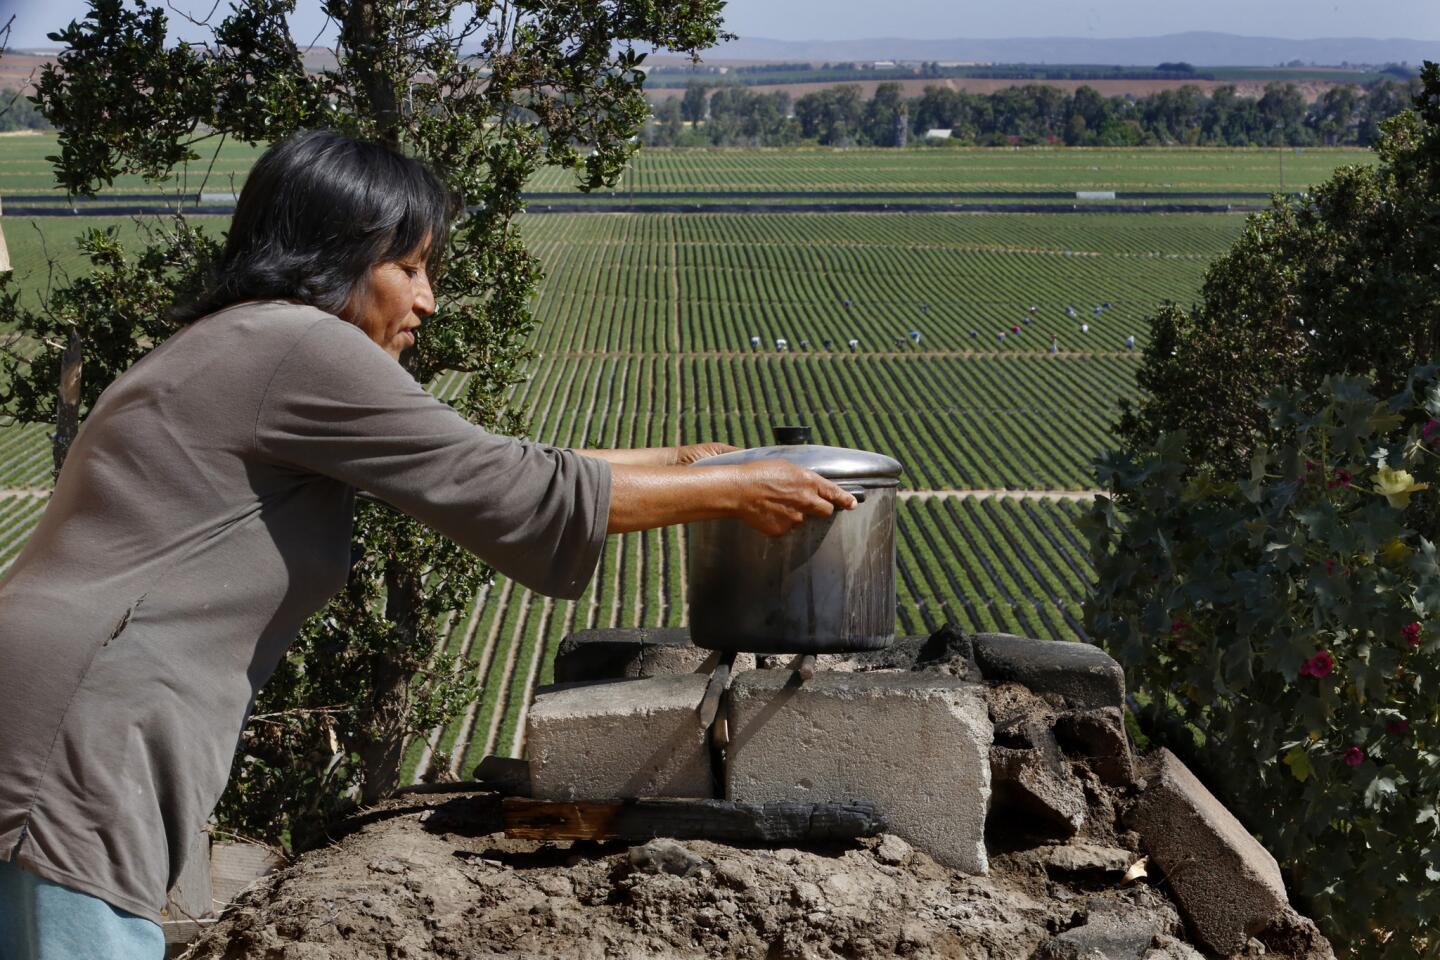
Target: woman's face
(397, 299)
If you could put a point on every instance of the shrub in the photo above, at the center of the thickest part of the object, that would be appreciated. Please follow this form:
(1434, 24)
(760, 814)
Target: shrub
(1281, 631)
(1339, 281)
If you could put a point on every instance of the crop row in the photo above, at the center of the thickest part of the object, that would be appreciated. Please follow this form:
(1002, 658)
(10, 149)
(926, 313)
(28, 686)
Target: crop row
(18, 516)
(1186, 169)
(956, 423)
(1009, 422)
(670, 283)
(24, 169)
(985, 564)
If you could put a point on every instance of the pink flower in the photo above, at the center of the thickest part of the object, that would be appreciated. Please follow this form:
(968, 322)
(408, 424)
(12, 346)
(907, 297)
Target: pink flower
(1397, 726)
(1330, 567)
(1178, 625)
(1411, 633)
(1342, 479)
(1429, 429)
(1319, 665)
(1354, 756)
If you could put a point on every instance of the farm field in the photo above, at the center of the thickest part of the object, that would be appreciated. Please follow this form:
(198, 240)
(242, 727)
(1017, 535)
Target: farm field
(24, 170)
(643, 337)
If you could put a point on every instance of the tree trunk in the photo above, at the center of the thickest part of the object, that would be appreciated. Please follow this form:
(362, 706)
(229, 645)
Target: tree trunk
(382, 751)
(366, 46)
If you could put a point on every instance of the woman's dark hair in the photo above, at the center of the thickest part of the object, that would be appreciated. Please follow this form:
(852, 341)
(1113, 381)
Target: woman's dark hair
(316, 213)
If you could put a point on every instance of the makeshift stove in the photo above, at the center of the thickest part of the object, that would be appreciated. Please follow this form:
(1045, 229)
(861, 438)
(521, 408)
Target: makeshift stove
(787, 713)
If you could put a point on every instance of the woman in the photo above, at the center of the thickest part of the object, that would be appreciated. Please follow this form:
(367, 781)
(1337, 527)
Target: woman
(205, 511)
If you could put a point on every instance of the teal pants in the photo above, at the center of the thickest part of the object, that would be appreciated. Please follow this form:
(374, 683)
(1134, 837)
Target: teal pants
(40, 920)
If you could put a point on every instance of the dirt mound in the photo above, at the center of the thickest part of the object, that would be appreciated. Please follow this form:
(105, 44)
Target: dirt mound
(433, 877)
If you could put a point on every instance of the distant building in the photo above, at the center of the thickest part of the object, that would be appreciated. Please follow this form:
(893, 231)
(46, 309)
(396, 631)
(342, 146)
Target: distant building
(938, 133)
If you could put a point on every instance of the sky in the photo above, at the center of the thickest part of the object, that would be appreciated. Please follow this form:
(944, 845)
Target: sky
(861, 19)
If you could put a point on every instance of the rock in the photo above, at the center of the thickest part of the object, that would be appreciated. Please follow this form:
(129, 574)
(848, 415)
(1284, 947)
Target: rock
(1034, 796)
(666, 856)
(1098, 738)
(1083, 857)
(628, 738)
(505, 775)
(1295, 937)
(587, 656)
(1084, 675)
(944, 645)
(1227, 885)
(916, 744)
(892, 850)
(1168, 948)
(390, 865)
(1108, 933)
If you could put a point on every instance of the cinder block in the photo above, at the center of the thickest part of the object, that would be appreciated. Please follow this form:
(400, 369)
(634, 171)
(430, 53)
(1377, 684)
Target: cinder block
(1087, 677)
(916, 744)
(586, 656)
(1228, 885)
(629, 738)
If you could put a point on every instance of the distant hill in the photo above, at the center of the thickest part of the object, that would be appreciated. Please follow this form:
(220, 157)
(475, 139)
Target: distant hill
(1209, 49)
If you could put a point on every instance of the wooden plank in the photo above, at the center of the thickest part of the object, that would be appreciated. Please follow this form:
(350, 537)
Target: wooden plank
(179, 934)
(234, 866)
(190, 898)
(720, 820)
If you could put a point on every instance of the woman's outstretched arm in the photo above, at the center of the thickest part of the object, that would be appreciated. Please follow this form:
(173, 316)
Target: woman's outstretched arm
(773, 496)
(681, 455)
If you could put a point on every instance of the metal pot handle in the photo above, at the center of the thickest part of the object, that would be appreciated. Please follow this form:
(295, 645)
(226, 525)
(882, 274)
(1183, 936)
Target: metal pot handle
(857, 492)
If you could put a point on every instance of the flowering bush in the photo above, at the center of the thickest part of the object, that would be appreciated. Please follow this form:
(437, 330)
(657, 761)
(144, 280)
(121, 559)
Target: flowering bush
(1282, 632)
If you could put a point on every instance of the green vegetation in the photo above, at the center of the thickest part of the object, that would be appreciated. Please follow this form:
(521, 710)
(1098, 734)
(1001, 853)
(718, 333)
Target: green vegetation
(1033, 113)
(1267, 571)
(817, 170)
(664, 77)
(25, 172)
(1282, 629)
(18, 113)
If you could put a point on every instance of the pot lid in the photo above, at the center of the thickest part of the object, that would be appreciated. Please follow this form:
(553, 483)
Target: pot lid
(833, 463)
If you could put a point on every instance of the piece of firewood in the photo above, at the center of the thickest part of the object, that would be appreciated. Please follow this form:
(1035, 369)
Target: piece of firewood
(720, 820)
(719, 680)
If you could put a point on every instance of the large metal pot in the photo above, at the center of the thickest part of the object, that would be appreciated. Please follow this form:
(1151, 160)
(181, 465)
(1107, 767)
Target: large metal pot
(826, 586)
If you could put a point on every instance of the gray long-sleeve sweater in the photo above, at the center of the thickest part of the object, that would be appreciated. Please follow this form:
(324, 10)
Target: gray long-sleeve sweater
(204, 512)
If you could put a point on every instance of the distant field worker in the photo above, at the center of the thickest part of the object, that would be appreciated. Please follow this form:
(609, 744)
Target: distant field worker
(205, 511)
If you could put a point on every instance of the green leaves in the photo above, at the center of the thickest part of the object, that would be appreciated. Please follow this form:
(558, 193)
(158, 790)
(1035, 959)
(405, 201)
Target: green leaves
(1292, 615)
(1298, 760)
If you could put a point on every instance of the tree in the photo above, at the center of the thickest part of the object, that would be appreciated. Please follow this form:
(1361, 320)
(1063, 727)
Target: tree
(1261, 569)
(832, 116)
(881, 114)
(489, 93)
(694, 105)
(1340, 282)
(1334, 113)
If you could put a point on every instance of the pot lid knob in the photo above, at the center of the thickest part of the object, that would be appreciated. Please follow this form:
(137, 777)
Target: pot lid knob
(792, 435)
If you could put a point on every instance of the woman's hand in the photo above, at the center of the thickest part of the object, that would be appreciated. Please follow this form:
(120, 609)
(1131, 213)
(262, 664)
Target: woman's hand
(776, 496)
